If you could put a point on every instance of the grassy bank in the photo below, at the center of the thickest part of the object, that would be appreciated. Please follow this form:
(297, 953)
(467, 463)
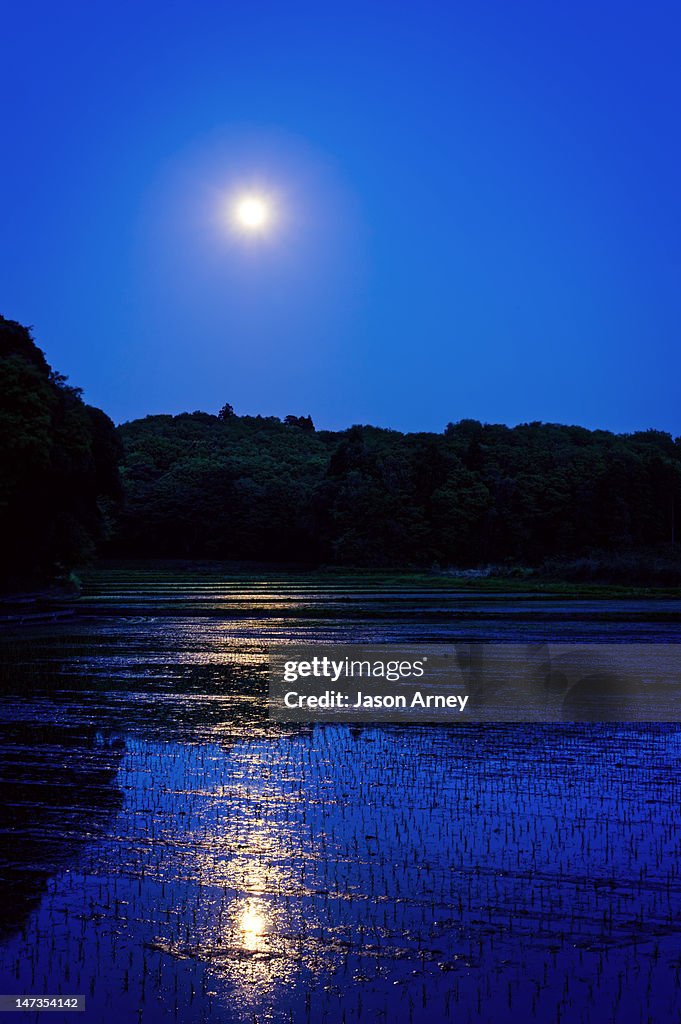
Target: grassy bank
(516, 581)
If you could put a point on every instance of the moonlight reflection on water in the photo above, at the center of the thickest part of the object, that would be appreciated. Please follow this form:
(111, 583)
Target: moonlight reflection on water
(243, 871)
(252, 923)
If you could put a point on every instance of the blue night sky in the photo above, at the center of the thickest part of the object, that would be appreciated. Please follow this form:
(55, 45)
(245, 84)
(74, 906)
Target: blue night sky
(476, 208)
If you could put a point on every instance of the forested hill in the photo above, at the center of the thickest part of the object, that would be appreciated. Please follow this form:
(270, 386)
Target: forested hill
(59, 482)
(259, 488)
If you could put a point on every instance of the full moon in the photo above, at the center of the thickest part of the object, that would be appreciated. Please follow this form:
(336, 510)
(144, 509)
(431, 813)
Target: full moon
(251, 213)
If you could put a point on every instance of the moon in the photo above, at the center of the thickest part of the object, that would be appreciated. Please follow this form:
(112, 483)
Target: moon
(252, 213)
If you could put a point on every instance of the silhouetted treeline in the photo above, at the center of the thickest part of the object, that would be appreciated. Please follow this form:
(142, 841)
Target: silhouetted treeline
(59, 477)
(257, 488)
(254, 487)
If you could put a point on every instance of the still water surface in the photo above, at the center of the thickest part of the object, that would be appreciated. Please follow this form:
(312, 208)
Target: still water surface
(174, 856)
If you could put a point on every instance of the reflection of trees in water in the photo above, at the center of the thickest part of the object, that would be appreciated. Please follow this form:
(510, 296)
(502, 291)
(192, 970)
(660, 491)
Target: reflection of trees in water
(57, 779)
(58, 791)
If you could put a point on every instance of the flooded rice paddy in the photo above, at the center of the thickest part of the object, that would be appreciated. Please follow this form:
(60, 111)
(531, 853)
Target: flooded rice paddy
(173, 855)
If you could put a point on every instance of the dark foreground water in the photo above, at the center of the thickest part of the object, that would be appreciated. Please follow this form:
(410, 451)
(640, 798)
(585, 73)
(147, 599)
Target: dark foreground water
(174, 856)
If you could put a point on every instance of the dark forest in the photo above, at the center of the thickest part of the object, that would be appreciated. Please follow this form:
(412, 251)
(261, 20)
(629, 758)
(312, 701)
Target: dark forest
(196, 485)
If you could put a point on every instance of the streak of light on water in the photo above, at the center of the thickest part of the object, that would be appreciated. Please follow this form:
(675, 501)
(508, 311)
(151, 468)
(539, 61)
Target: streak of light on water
(174, 855)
